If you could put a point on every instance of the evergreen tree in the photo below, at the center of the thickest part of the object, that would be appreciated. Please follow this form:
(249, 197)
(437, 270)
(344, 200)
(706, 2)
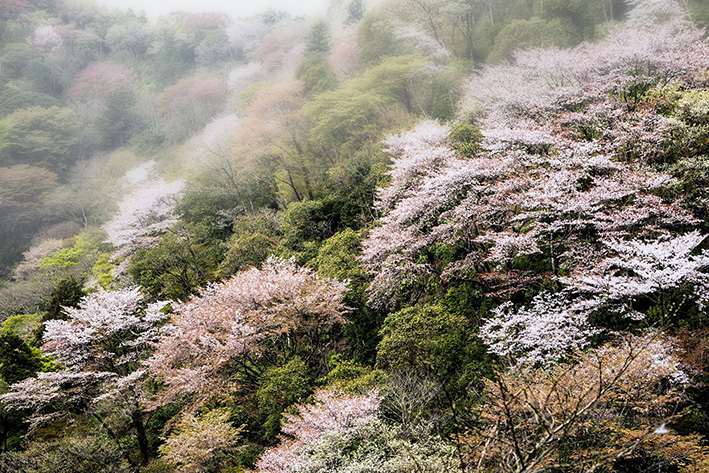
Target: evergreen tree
(356, 11)
(318, 38)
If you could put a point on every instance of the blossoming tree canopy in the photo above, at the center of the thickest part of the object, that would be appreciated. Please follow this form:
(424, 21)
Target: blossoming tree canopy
(234, 322)
(99, 348)
(566, 162)
(332, 412)
(101, 340)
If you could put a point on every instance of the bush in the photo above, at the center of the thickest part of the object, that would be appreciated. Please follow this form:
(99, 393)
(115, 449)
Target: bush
(466, 139)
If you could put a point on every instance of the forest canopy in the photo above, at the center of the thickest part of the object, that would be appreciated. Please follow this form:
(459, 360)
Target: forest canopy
(395, 236)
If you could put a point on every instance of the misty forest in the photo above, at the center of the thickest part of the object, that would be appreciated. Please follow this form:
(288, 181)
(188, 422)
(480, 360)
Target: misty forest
(402, 236)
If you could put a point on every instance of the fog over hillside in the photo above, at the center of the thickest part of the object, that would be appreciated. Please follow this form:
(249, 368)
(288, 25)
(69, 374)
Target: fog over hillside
(235, 8)
(396, 236)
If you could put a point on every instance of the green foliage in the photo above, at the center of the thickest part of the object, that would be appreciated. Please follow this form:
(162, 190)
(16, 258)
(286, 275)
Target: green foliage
(63, 259)
(466, 139)
(282, 386)
(67, 293)
(580, 16)
(354, 183)
(171, 58)
(183, 261)
(271, 16)
(15, 57)
(318, 38)
(664, 98)
(12, 428)
(23, 188)
(215, 48)
(350, 376)
(376, 38)
(119, 121)
(699, 11)
(254, 239)
(20, 94)
(356, 109)
(218, 210)
(316, 74)
(76, 453)
(40, 135)
(355, 11)
(158, 465)
(246, 251)
(24, 326)
(692, 149)
(88, 245)
(429, 340)
(437, 94)
(17, 359)
(309, 221)
(337, 257)
(694, 174)
(467, 300)
(532, 33)
(693, 107)
(102, 270)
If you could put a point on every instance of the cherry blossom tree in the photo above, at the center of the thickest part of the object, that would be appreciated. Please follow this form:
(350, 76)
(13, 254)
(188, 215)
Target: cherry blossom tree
(233, 326)
(331, 412)
(346, 432)
(344, 55)
(146, 211)
(32, 258)
(246, 34)
(649, 12)
(569, 141)
(530, 190)
(281, 49)
(11, 8)
(211, 148)
(99, 80)
(242, 75)
(45, 40)
(99, 347)
(548, 329)
(656, 269)
(189, 104)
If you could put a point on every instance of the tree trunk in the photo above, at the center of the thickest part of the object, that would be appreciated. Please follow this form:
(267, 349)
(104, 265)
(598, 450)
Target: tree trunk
(142, 437)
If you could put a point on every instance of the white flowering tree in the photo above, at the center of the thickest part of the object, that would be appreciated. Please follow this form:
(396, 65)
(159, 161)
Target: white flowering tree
(659, 270)
(331, 413)
(548, 329)
(564, 166)
(145, 212)
(98, 349)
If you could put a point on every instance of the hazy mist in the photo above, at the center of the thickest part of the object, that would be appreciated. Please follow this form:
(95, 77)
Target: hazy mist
(345, 236)
(238, 8)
